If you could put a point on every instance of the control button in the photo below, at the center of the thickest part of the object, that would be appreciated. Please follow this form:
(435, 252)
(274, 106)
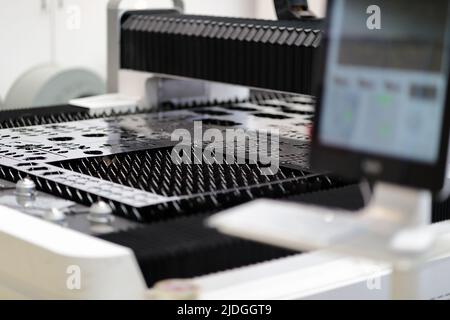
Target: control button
(424, 92)
(366, 84)
(392, 87)
(100, 213)
(340, 81)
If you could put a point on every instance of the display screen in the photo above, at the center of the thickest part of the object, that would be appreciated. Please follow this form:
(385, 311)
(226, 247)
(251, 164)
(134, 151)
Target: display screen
(387, 76)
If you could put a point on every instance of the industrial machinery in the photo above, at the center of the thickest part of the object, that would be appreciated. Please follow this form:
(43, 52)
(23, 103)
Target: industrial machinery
(97, 204)
(383, 118)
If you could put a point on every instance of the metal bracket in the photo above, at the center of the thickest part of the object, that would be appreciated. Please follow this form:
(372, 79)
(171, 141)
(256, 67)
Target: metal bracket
(292, 9)
(114, 15)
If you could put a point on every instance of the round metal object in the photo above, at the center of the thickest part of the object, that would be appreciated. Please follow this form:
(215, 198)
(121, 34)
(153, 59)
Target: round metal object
(26, 188)
(55, 215)
(26, 192)
(100, 213)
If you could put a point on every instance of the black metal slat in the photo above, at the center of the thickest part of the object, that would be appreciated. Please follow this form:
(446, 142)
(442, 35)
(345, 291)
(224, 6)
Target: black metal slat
(207, 186)
(226, 50)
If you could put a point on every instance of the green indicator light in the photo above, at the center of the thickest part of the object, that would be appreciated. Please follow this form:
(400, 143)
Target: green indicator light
(385, 131)
(384, 100)
(348, 115)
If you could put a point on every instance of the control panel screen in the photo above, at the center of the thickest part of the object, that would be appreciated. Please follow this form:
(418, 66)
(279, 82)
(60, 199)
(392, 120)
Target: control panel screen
(387, 77)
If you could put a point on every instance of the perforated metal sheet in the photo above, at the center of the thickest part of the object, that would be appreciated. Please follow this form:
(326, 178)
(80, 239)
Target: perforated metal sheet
(118, 158)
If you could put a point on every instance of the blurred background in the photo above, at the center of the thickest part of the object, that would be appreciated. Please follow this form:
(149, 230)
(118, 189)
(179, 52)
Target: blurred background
(44, 40)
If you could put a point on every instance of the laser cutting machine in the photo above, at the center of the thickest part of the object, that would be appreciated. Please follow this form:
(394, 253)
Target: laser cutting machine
(94, 207)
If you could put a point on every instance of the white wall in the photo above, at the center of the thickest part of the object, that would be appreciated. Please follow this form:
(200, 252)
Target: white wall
(233, 8)
(73, 32)
(24, 39)
(78, 38)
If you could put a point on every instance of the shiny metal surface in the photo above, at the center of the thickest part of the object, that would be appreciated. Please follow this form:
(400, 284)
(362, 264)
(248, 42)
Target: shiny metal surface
(34, 150)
